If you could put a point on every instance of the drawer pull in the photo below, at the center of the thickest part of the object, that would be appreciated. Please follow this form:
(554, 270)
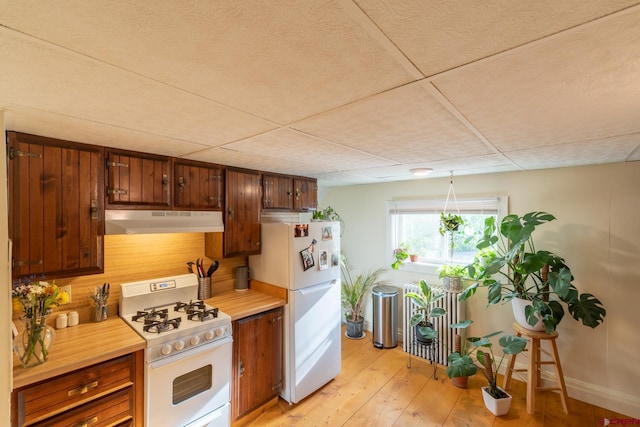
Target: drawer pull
(82, 389)
(88, 422)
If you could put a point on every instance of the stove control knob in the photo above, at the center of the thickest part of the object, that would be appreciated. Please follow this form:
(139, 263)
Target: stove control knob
(165, 349)
(219, 332)
(179, 345)
(195, 340)
(208, 335)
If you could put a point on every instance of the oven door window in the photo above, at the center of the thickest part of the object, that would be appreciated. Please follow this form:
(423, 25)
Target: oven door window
(192, 383)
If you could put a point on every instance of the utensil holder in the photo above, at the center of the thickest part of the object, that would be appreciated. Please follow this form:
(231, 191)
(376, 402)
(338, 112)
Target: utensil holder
(204, 288)
(100, 312)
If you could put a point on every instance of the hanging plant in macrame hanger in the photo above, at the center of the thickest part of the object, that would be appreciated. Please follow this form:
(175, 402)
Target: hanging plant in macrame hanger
(450, 222)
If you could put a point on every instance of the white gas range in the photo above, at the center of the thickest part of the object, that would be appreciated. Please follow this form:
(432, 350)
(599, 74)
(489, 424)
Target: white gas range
(188, 353)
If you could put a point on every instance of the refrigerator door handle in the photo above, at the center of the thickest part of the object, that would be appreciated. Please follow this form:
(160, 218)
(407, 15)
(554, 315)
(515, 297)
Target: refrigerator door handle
(312, 289)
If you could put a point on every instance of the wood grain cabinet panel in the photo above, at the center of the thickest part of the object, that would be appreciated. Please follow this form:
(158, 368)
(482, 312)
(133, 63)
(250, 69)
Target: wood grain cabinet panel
(243, 196)
(305, 194)
(99, 395)
(198, 186)
(257, 361)
(277, 192)
(56, 204)
(137, 180)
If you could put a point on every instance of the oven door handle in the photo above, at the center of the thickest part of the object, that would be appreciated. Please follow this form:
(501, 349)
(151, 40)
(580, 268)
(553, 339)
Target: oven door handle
(191, 352)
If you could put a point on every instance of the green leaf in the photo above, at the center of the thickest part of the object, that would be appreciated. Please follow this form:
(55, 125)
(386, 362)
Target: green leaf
(588, 309)
(437, 312)
(461, 325)
(512, 344)
(495, 293)
(561, 282)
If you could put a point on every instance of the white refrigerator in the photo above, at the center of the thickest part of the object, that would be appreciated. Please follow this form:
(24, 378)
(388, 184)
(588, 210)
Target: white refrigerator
(304, 258)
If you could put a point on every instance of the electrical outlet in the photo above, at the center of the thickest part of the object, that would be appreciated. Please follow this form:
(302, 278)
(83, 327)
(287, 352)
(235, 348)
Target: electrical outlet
(66, 289)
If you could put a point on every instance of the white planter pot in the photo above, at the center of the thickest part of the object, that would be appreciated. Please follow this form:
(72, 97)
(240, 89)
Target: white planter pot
(518, 305)
(497, 407)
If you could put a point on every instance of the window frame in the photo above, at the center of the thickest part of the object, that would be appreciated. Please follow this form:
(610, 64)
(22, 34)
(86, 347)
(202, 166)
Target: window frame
(464, 204)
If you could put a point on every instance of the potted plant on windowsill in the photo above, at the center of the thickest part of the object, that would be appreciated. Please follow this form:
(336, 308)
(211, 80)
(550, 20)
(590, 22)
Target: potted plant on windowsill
(354, 295)
(400, 254)
(534, 276)
(424, 299)
(496, 400)
(452, 276)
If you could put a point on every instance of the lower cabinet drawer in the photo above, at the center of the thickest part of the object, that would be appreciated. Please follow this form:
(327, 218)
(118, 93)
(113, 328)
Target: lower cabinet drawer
(115, 409)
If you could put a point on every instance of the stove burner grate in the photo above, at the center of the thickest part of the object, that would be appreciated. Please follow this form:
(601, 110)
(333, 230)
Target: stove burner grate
(143, 316)
(185, 307)
(202, 314)
(159, 326)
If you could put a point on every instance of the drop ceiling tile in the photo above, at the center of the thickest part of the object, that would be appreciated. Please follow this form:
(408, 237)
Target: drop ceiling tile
(581, 84)
(67, 128)
(83, 88)
(606, 150)
(405, 124)
(440, 36)
(313, 154)
(280, 60)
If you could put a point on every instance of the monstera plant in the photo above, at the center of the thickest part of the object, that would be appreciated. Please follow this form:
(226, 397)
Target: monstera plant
(510, 265)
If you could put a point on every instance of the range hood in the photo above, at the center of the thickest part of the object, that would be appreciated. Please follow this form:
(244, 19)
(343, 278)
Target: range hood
(158, 221)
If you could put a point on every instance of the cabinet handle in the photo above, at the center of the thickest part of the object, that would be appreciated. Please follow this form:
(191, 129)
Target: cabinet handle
(230, 213)
(88, 422)
(82, 389)
(240, 368)
(117, 165)
(165, 179)
(111, 191)
(181, 183)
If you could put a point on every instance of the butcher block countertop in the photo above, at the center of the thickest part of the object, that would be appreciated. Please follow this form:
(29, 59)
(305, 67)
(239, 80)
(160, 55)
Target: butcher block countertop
(259, 298)
(90, 343)
(81, 346)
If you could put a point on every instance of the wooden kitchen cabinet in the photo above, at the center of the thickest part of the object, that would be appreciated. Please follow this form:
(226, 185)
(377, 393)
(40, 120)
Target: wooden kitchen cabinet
(257, 361)
(242, 213)
(277, 192)
(137, 180)
(305, 195)
(104, 394)
(198, 185)
(56, 206)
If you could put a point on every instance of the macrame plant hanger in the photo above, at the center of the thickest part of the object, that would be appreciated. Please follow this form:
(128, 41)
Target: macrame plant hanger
(450, 193)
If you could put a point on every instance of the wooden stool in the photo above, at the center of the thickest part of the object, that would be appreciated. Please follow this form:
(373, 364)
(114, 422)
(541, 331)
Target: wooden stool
(534, 377)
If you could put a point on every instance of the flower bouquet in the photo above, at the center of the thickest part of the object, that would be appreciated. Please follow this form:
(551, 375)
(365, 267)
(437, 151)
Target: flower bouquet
(35, 300)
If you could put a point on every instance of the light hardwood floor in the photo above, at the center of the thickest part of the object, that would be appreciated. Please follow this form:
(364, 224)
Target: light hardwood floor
(376, 388)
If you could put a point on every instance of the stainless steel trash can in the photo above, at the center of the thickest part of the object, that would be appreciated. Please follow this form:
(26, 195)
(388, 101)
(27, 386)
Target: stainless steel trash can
(385, 316)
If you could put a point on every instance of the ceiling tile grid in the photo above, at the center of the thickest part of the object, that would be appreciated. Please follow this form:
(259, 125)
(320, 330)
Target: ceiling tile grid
(348, 91)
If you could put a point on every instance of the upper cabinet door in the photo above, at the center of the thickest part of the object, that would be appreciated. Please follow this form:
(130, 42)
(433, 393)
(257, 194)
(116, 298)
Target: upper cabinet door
(305, 196)
(137, 180)
(198, 186)
(277, 192)
(242, 214)
(56, 209)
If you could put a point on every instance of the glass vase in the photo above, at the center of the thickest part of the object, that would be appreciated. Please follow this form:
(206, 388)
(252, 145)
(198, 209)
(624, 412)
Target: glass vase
(33, 343)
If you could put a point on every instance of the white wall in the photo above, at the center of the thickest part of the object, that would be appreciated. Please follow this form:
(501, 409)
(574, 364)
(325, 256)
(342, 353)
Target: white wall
(6, 356)
(597, 231)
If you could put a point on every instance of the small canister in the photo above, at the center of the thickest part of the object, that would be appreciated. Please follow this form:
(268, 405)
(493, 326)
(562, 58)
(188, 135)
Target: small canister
(61, 321)
(72, 318)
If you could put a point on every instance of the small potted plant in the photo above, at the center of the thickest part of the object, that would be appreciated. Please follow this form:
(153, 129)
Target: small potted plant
(496, 400)
(354, 295)
(425, 332)
(317, 215)
(460, 366)
(401, 254)
(452, 276)
(450, 224)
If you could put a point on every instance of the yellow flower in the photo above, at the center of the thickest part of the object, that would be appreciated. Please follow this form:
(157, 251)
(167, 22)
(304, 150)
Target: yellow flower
(16, 305)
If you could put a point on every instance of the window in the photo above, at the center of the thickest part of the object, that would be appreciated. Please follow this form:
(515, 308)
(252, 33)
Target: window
(416, 223)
